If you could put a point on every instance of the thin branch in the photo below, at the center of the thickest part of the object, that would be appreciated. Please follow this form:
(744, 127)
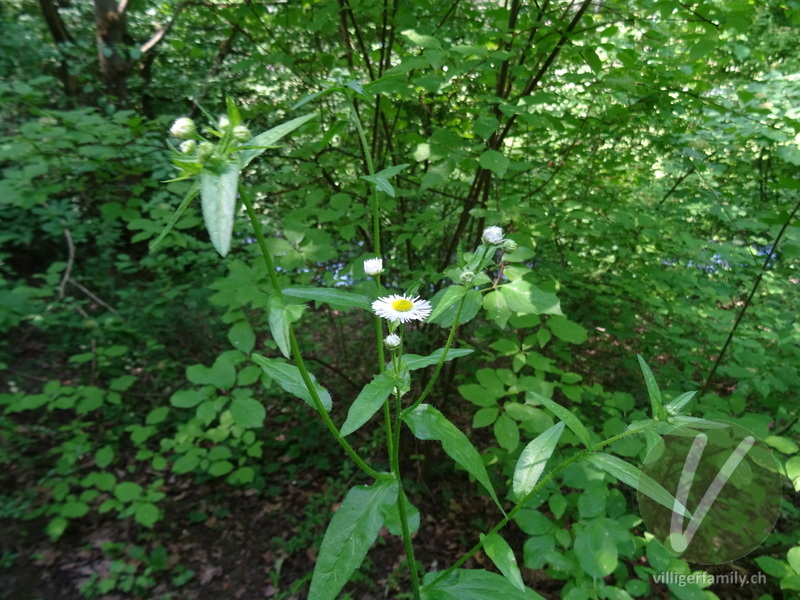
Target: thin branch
(70, 262)
(93, 296)
(161, 33)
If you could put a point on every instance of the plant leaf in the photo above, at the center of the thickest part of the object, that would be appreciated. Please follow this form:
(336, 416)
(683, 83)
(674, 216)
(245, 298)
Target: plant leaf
(473, 584)
(288, 377)
(218, 199)
(652, 390)
(258, 144)
(533, 460)
(453, 294)
(369, 400)
(564, 414)
(427, 423)
(334, 297)
(415, 361)
(349, 536)
(503, 558)
(187, 200)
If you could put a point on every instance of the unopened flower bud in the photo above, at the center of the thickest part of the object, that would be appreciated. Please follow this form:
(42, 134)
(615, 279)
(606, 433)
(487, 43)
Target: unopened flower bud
(223, 123)
(188, 146)
(373, 267)
(493, 236)
(204, 151)
(183, 129)
(241, 133)
(467, 277)
(392, 341)
(510, 246)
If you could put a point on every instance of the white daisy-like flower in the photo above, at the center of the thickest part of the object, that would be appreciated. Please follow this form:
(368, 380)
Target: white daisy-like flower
(392, 341)
(373, 266)
(493, 236)
(183, 129)
(402, 308)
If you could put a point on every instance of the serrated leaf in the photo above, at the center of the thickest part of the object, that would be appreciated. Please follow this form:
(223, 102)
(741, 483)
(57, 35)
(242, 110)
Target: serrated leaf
(634, 477)
(652, 390)
(368, 401)
(288, 377)
(257, 145)
(427, 423)
(473, 584)
(564, 414)
(218, 196)
(334, 297)
(533, 460)
(352, 530)
(247, 412)
(502, 556)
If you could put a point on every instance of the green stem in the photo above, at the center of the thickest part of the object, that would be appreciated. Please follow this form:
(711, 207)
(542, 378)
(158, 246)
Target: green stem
(295, 348)
(376, 223)
(512, 513)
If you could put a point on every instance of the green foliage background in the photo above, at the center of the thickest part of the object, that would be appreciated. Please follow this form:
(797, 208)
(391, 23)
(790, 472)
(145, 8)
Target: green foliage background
(643, 155)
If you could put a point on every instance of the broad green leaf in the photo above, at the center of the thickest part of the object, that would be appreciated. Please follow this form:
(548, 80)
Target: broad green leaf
(472, 304)
(242, 337)
(485, 417)
(473, 584)
(415, 361)
(427, 423)
(573, 422)
(523, 297)
(368, 401)
(533, 460)
(147, 514)
(186, 398)
(280, 317)
(257, 145)
(104, 456)
(187, 199)
(494, 303)
(452, 294)
(503, 558)
(652, 390)
(74, 509)
(334, 297)
(289, 378)
(392, 522)
(352, 530)
(494, 161)
(247, 412)
(596, 549)
(566, 330)
(425, 41)
(218, 197)
(506, 432)
(591, 58)
(634, 477)
(127, 491)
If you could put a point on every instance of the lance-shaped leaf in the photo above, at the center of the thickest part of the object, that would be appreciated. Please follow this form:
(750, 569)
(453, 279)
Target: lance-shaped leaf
(257, 145)
(381, 179)
(473, 584)
(674, 407)
(634, 477)
(453, 294)
(427, 423)
(331, 296)
(368, 401)
(533, 460)
(503, 558)
(280, 317)
(218, 200)
(187, 199)
(566, 415)
(656, 403)
(350, 534)
(288, 377)
(415, 361)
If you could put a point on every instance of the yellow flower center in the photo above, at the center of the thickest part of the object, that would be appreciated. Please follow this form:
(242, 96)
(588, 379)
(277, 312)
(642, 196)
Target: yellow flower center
(402, 305)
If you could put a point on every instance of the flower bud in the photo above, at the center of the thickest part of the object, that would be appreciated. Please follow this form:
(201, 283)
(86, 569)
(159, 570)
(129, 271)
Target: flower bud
(204, 151)
(392, 341)
(223, 123)
(183, 129)
(373, 267)
(241, 133)
(509, 246)
(188, 146)
(493, 236)
(467, 277)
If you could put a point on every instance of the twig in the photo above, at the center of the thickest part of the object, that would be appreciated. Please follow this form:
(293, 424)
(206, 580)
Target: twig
(93, 296)
(70, 261)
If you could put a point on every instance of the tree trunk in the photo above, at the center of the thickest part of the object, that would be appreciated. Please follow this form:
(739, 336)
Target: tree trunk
(110, 21)
(61, 36)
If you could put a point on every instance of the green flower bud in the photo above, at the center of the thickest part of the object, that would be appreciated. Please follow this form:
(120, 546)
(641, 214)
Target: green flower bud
(188, 147)
(241, 133)
(509, 246)
(467, 277)
(204, 151)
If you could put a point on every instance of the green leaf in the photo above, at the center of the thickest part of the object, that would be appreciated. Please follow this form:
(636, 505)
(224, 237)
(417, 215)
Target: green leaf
(392, 521)
(652, 390)
(369, 400)
(566, 330)
(288, 377)
(127, 491)
(147, 514)
(247, 412)
(506, 432)
(473, 584)
(596, 550)
(494, 303)
(533, 460)
(334, 297)
(427, 423)
(591, 58)
(452, 294)
(639, 481)
(415, 361)
(494, 161)
(352, 530)
(503, 558)
(523, 297)
(425, 41)
(187, 199)
(280, 317)
(74, 509)
(485, 417)
(674, 407)
(381, 180)
(242, 337)
(573, 422)
(257, 145)
(186, 398)
(104, 456)
(218, 198)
